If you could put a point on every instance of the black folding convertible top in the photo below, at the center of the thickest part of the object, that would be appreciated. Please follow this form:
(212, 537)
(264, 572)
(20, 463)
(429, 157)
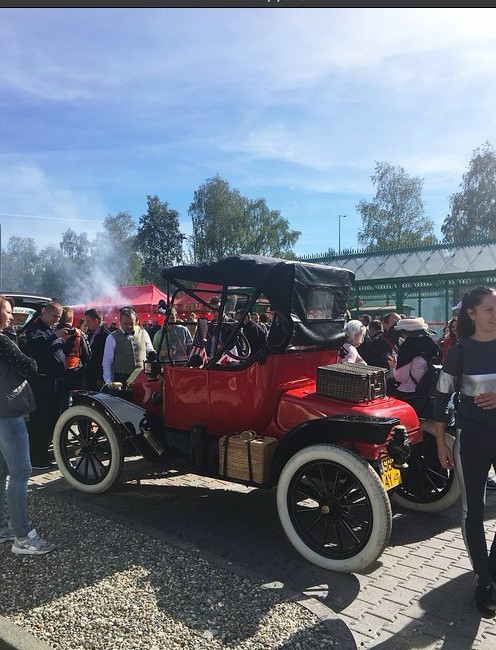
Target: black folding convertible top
(292, 287)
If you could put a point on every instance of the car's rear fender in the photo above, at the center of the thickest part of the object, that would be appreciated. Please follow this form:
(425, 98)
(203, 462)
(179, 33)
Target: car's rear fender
(354, 430)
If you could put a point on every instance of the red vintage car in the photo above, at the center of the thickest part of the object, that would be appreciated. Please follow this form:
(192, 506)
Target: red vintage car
(286, 416)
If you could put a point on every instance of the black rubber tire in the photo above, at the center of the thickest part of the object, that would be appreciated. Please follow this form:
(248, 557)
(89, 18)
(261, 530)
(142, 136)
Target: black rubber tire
(426, 486)
(87, 449)
(334, 508)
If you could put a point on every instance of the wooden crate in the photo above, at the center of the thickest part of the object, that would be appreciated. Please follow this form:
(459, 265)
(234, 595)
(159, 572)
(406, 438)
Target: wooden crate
(246, 456)
(351, 382)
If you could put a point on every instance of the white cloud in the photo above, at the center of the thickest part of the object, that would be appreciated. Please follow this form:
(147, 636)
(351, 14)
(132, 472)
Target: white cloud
(39, 209)
(104, 106)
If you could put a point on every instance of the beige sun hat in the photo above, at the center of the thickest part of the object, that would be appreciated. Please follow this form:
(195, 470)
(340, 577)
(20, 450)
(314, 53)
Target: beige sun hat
(413, 325)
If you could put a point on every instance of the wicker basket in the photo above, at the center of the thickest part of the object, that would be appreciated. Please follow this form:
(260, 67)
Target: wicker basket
(351, 382)
(246, 456)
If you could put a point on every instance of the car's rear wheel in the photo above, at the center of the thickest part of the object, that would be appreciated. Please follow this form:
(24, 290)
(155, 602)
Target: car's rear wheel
(87, 449)
(426, 486)
(333, 508)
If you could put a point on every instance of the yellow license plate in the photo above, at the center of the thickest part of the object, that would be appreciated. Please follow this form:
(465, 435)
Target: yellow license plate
(390, 476)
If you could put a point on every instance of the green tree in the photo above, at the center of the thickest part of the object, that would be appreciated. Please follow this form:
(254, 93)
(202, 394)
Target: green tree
(75, 247)
(114, 251)
(57, 274)
(215, 212)
(159, 240)
(266, 231)
(226, 223)
(473, 209)
(20, 265)
(396, 217)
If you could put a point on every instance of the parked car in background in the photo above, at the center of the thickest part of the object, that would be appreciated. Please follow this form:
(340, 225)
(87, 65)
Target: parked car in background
(26, 306)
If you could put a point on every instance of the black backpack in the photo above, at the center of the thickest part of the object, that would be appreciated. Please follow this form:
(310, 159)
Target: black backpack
(426, 385)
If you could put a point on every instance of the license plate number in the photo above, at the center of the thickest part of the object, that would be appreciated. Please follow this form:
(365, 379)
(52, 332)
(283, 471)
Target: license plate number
(390, 476)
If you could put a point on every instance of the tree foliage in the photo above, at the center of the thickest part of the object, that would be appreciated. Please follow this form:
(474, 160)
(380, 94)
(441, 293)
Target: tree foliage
(226, 223)
(473, 209)
(20, 264)
(159, 240)
(53, 273)
(266, 231)
(396, 217)
(114, 250)
(75, 246)
(215, 212)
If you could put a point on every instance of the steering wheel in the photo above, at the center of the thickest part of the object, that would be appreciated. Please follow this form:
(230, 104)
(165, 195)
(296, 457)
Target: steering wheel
(241, 345)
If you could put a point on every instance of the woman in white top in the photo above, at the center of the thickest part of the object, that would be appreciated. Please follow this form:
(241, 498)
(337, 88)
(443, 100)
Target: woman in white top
(355, 333)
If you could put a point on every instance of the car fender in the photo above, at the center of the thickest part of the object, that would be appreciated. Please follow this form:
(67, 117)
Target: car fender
(330, 429)
(125, 415)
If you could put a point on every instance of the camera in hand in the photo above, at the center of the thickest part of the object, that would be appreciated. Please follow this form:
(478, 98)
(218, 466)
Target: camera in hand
(70, 330)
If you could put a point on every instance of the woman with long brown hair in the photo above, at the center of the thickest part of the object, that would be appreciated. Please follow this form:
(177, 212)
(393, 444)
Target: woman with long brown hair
(470, 369)
(15, 465)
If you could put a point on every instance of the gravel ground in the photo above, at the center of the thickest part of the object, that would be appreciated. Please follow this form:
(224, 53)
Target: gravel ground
(108, 586)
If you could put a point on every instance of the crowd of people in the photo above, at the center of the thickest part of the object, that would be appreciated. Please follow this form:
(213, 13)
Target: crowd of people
(90, 355)
(404, 347)
(51, 357)
(39, 366)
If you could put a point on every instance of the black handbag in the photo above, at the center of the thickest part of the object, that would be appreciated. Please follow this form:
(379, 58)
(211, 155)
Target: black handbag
(16, 395)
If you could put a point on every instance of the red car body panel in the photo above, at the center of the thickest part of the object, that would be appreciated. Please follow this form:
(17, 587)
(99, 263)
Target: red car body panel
(271, 398)
(226, 400)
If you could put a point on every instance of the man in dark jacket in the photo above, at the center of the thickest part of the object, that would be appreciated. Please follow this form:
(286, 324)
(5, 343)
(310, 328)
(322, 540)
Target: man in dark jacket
(383, 342)
(254, 334)
(47, 347)
(97, 335)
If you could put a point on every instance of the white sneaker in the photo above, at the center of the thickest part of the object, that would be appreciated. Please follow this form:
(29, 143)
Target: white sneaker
(32, 544)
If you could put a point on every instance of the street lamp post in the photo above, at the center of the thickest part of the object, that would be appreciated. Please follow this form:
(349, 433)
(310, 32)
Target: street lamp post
(340, 216)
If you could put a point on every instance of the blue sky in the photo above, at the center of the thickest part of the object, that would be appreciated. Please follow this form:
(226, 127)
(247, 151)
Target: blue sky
(101, 107)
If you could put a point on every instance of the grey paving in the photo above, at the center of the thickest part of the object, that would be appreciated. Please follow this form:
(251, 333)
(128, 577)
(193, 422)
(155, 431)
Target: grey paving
(419, 594)
(14, 637)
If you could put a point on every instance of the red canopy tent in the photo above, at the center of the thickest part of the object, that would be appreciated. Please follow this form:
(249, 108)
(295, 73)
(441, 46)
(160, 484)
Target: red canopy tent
(142, 298)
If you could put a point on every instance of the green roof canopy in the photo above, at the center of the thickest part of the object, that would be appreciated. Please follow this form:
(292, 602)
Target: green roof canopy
(395, 276)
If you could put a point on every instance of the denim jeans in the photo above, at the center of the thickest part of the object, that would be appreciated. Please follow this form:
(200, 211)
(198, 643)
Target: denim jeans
(14, 463)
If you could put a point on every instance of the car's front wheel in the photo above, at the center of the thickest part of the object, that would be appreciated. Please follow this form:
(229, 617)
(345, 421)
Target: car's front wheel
(334, 508)
(87, 449)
